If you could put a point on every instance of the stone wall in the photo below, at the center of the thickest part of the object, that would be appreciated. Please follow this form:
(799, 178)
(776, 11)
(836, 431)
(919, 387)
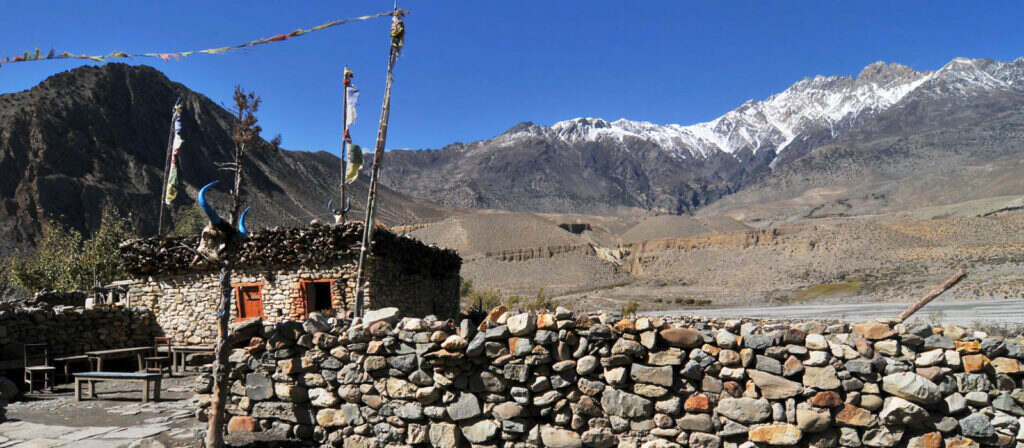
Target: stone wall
(558, 380)
(73, 330)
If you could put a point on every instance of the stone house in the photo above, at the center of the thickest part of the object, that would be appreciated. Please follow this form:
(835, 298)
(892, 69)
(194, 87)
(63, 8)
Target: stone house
(287, 273)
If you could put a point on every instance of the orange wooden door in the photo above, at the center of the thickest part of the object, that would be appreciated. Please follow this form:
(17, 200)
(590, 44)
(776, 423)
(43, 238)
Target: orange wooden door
(250, 302)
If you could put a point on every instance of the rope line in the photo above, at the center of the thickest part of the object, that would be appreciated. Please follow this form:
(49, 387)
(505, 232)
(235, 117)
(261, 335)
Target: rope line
(37, 55)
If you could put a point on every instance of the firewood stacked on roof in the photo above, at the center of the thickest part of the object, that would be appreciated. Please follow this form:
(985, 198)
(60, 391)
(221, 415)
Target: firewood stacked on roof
(284, 246)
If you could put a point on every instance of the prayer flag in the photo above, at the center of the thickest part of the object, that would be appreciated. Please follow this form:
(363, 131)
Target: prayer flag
(353, 97)
(355, 163)
(172, 177)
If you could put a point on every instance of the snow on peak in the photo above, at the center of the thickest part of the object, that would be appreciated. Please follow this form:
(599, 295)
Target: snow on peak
(829, 103)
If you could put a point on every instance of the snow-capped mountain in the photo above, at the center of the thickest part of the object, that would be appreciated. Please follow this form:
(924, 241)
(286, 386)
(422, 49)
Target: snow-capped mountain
(828, 102)
(693, 163)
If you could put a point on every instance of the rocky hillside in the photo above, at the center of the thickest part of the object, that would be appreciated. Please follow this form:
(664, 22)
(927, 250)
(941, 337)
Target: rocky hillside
(589, 165)
(96, 135)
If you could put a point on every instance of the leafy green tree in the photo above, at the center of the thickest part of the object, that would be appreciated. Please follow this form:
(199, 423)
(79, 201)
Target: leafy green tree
(64, 261)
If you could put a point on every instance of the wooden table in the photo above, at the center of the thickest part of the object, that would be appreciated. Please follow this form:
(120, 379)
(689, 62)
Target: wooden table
(180, 351)
(100, 355)
(91, 378)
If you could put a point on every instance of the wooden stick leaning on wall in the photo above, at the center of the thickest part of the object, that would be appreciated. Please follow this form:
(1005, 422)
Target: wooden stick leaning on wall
(935, 292)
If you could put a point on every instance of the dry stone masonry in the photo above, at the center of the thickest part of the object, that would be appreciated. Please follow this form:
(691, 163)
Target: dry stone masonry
(565, 381)
(182, 290)
(73, 330)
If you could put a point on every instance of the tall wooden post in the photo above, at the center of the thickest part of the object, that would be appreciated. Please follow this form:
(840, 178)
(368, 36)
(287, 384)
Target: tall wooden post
(378, 156)
(222, 350)
(344, 138)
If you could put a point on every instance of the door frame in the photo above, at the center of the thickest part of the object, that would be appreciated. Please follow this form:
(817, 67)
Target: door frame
(304, 285)
(239, 306)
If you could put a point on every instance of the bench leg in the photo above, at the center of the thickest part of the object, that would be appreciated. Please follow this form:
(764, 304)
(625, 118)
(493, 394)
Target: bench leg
(156, 392)
(145, 391)
(78, 389)
(92, 389)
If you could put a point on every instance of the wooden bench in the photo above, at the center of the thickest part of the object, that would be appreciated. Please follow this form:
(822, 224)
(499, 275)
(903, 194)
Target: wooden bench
(147, 379)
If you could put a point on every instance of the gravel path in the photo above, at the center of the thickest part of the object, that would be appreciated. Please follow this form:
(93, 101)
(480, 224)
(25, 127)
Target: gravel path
(989, 311)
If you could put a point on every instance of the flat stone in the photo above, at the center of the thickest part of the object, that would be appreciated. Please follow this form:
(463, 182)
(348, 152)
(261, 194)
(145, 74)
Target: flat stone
(682, 337)
(465, 406)
(826, 399)
(444, 435)
(703, 440)
(873, 330)
(745, 410)
(975, 363)
(695, 422)
(480, 431)
(928, 440)
(626, 405)
(556, 437)
(821, 377)
(522, 324)
(911, 386)
(977, 426)
(1005, 402)
(242, 423)
(899, 412)
(775, 387)
(652, 375)
(780, 434)
(389, 314)
(813, 420)
(882, 436)
(854, 416)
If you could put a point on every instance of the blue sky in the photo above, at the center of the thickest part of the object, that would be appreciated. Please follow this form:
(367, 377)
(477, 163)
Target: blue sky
(472, 69)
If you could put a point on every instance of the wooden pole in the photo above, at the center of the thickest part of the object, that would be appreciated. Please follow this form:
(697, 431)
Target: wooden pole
(215, 417)
(378, 155)
(935, 292)
(167, 168)
(344, 133)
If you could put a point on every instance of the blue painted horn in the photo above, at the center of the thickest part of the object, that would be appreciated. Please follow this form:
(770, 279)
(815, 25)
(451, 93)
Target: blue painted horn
(211, 214)
(241, 223)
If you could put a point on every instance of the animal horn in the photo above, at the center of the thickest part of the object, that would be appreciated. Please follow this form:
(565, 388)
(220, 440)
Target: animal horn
(241, 223)
(211, 214)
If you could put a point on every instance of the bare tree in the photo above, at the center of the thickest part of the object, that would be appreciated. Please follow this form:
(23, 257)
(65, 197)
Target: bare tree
(220, 243)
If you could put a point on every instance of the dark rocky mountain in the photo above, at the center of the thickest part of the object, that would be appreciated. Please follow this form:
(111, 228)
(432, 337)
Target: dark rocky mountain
(97, 135)
(778, 147)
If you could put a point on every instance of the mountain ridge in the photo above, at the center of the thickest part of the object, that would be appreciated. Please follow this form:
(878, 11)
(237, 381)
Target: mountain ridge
(96, 135)
(638, 167)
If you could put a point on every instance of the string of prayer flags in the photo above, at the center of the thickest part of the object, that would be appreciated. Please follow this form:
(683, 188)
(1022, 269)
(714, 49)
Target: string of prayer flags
(168, 56)
(355, 164)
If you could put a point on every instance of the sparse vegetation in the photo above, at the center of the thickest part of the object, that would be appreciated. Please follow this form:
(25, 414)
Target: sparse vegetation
(630, 308)
(65, 261)
(849, 286)
(690, 301)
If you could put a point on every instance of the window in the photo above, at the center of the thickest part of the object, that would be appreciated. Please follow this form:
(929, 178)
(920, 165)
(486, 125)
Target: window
(318, 295)
(249, 300)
